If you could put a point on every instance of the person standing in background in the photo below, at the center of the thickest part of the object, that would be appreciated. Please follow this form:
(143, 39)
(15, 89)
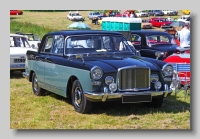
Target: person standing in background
(185, 35)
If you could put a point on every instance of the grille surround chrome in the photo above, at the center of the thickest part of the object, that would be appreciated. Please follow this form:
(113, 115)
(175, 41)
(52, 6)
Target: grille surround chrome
(134, 86)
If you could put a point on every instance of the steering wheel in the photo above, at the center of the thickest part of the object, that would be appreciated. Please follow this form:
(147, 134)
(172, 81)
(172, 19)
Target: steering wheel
(78, 46)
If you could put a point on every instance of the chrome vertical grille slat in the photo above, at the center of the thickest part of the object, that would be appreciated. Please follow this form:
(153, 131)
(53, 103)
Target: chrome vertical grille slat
(133, 78)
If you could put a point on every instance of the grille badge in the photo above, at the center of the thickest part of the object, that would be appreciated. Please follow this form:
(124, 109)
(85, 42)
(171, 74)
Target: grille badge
(135, 89)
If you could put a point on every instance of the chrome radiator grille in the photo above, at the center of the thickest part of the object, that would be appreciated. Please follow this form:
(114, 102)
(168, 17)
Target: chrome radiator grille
(133, 78)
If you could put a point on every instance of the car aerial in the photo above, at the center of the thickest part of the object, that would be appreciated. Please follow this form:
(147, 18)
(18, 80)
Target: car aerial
(170, 12)
(146, 25)
(93, 15)
(90, 66)
(16, 12)
(152, 43)
(141, 13)
(33, 39)
(181, 63)
(160, 22)
(186, 12)
(18, 47)
(155, 13)
(75, 16)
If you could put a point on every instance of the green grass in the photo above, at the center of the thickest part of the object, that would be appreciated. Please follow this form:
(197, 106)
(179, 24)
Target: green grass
(28, 111)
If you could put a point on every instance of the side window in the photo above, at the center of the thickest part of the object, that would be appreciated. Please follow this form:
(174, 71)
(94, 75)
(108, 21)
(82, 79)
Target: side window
(58, 44)
(136, 39)
(48, 45)
(107, 42)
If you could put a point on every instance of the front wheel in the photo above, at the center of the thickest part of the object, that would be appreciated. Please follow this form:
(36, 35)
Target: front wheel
(79, 101)
(36, 89)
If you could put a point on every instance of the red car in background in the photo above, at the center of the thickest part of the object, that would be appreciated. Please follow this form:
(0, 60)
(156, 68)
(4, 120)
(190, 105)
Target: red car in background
(160, 22)
(181, 63)
(16, 12)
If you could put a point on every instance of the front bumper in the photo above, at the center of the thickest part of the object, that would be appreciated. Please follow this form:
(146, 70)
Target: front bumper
(25, 75)
(17, 66)
(106, 95)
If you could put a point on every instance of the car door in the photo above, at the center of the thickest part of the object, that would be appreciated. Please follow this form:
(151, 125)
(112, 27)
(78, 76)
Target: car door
(53, 66)
(39, 67)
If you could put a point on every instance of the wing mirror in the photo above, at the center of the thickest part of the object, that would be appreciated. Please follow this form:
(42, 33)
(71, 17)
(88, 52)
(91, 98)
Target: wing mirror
(159, 55)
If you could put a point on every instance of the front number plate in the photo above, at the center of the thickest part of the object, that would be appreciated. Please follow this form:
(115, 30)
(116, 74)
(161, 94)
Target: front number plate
(19, 60)
(136, 98)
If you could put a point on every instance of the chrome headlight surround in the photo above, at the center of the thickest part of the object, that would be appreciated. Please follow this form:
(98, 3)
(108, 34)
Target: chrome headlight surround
(96, 73)
(167, 70)
(109, 80)
(154, 78)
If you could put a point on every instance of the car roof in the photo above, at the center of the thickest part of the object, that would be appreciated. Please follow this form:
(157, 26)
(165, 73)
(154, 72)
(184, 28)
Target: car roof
(150, 32)
(80, 32)
(17, 35)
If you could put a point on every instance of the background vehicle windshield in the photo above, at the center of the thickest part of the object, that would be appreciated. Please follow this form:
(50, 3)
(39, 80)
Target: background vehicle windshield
(160, 39)
(16, 41)
(96, 43)
(157, 11)
(97, 13)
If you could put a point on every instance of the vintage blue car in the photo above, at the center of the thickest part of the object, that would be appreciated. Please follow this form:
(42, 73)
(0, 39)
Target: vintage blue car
(96, 66)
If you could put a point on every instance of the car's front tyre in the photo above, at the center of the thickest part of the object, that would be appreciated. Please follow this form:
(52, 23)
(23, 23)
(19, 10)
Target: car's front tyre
(36, 89)
(79, 101)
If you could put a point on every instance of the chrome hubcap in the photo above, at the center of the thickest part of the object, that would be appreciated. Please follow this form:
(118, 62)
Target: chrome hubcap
(35, 84)
(77, 96)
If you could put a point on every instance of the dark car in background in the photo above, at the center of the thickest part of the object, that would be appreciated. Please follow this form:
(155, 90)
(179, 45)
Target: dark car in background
(96, 66)
(155, 13)
(152, 43)
(114, 14)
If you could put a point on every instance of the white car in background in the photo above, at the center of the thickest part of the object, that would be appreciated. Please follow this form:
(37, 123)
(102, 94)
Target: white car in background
(184, 18)
(19, 45)
(75, 16)
(32, 39)
(170, 12)
(142, 13)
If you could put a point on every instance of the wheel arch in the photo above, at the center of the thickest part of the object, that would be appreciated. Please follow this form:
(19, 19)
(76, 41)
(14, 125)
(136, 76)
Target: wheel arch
(69, 85)
(31, 75)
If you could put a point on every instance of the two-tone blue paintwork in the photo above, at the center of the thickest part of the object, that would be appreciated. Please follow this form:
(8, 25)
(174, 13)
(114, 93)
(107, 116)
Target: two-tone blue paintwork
(55, 72)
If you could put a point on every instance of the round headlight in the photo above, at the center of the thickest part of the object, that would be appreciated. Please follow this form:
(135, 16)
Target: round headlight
(168, 70)
(109, 80)
(96, 73)
(157, 85)
(113, 87)
(154, 78)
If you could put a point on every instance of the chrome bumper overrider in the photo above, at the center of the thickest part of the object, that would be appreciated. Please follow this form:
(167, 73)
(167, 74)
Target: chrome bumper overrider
(25, 75)
(106, 95)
